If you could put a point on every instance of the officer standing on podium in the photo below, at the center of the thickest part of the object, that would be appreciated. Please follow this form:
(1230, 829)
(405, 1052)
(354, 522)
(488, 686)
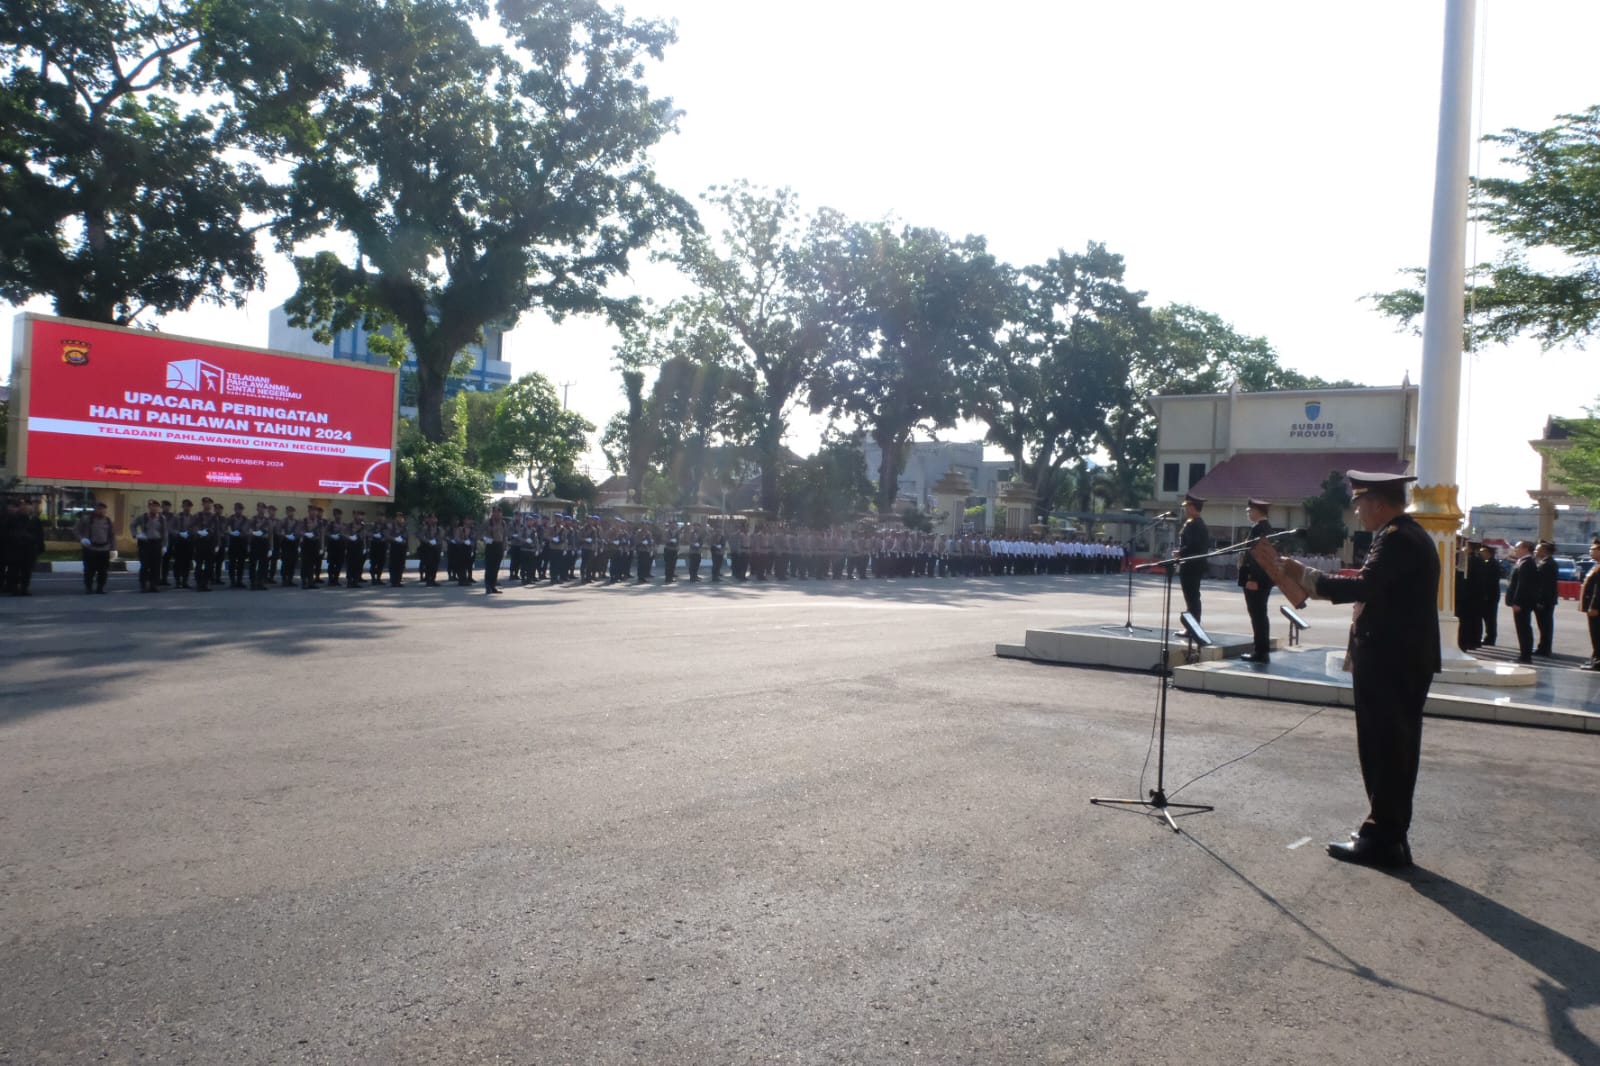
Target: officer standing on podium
(1194, 539)
(1256, 584)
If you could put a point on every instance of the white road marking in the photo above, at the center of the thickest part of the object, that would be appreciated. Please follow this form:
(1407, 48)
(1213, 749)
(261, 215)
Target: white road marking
(1302, 842)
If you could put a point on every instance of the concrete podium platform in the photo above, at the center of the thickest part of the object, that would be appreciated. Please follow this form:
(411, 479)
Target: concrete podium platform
(1551, 695)
(1118, 647)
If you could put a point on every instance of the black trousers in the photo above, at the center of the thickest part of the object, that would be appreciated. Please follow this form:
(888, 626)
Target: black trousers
(1388, 709)
(336, 545)
(204, 559)
(493, 552)
(1489, 615)
(428, 562)
(310, 563)
(354, 556)
(1190, 584)
(150, 552)
(1523, 621)
(238, 552)
(182, 557)
(397, 562)
(1594, 637)
(1255, 605)
(669, 565)
(260, 561)
(1545, 616)
(96, 568)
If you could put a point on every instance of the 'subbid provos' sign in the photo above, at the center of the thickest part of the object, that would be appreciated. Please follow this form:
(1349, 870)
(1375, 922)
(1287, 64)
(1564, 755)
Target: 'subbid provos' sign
(116, 406)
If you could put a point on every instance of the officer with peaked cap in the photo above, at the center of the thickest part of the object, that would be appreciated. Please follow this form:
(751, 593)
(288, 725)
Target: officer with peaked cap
(1394, 653)
(1194, 539)
(1256, 584)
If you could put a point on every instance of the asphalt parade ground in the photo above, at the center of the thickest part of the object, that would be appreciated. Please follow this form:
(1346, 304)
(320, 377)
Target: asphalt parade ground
(811, 823)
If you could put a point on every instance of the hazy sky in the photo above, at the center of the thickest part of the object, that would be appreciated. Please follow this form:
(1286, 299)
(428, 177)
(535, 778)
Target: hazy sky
(1267, 161)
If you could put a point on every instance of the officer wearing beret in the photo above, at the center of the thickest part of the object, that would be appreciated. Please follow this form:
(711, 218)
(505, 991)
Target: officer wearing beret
(1256, 584)
(1194, 539)
(1394, 653)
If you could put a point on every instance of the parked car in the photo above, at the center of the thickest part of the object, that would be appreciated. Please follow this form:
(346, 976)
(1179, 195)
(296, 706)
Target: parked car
(1566, 568)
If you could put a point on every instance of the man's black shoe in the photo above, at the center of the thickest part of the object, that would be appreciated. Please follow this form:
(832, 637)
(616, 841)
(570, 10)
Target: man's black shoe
(1525, 660)
(1367, 852)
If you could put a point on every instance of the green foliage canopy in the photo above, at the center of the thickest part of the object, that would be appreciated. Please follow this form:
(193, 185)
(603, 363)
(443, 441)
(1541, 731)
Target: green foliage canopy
(476, 180)
(119, 192)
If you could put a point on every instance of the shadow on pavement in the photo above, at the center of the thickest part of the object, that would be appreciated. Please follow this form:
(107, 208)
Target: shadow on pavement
(1573, 967)
(1419, 879)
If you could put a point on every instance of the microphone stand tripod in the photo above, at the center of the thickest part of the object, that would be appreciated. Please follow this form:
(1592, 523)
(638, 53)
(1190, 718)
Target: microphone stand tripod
(1127, 627)
(1158, 801)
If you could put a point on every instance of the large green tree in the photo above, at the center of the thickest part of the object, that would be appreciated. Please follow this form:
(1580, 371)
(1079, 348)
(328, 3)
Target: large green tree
(475, 179)
(120, 192)
(1546, 283)
(923, 312)
(1044, 390)
(531, 432)
(828, 488)
(760, 308)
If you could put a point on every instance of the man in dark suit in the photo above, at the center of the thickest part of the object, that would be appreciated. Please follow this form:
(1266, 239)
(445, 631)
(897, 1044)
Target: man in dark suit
(1194, 539)
(1488, 593)
(1394, 653)
(1522, 596)
(1544, 609)
(1589, 604)
(1256, 584)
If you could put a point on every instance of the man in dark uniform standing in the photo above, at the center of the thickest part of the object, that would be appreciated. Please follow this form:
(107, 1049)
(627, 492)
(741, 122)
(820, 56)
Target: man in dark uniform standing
(1589, 604)
(1194, 539)
(1488, 593)
(1394, 653)
(238, 526)
(336, 544)
(98, 537)
(1256, 584)
(1544, 609)
(205, 533)
(150, 530)
(1522, 596)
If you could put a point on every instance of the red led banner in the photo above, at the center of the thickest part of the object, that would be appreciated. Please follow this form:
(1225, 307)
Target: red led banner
(109, 406)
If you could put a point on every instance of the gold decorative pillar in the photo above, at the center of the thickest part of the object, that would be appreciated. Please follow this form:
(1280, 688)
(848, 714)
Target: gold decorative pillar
(1436, 510)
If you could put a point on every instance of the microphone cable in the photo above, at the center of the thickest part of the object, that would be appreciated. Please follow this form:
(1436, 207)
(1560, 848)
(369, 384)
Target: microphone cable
(1246, 755)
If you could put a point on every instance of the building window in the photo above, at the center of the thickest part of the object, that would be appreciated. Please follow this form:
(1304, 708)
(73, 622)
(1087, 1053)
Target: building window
(1196, 472)
(1169, 477)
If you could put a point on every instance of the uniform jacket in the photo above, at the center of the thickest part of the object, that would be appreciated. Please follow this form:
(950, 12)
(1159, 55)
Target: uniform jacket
(1523, 589)
(1549, 582)
(1397, 627)
(1589, 597)
(1193, 539)
(1249, 569)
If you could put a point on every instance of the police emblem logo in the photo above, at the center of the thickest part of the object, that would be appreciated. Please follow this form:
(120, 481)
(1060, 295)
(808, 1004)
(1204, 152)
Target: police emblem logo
(1313, 410)
(75, 353)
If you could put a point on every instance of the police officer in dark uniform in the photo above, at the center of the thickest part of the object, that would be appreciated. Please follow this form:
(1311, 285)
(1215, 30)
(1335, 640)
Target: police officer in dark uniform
(181, 534)
(1256, 584)
(1522, 596)
(398, 538)
(238, 545)
(1589, 604)
(1394, 653)
(1194, 539)
(205, 533)
(1544, 610)
(355, 549)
